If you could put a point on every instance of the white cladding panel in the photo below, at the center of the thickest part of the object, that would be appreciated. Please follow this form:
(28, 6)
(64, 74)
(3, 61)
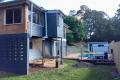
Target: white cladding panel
(100, 47)
(36, 51)
(60, 26)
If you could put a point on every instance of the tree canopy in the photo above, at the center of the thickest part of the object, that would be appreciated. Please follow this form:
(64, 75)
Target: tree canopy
(93, 25)
(77, 27)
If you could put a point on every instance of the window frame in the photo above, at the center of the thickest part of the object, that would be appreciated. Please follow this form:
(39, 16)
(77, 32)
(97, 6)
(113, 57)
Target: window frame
(38, 18)
(12, 8)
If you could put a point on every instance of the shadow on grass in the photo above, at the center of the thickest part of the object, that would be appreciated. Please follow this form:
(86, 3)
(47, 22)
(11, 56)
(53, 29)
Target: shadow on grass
(96, 72)
(99, 73)
(102, 73)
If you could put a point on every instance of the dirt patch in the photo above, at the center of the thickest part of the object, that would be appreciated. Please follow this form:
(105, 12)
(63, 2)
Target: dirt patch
(33, 69)
(73, 56)
(83, 65)
(36, 68)
(36, 65)
(39, 68)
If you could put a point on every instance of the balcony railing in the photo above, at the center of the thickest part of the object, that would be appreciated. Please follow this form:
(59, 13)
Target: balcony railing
(37, 30)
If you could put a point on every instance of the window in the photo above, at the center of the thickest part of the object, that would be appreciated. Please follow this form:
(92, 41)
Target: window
(38, 18)
(100, 45)
(31, 45)
(111, 50)
(13, 16)
(9, 16)
(17, 15)
(42, 18)
(34, 17)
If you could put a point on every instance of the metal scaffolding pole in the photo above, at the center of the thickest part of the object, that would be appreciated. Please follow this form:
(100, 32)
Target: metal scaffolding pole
(43, 51)
(61, 62)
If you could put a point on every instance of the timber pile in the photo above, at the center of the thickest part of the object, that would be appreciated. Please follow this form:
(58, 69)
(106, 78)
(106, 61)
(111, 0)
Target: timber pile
(40, 63)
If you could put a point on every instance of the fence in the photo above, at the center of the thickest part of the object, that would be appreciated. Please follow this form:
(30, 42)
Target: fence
(115, 50)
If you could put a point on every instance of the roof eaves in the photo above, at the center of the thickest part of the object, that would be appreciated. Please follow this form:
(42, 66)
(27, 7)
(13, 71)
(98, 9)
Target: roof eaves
(11, 3)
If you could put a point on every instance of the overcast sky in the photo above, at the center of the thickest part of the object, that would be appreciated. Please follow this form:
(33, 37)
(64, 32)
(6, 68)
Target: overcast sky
(108, 6)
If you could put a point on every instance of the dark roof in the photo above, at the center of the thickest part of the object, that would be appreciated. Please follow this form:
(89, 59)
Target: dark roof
(56, 11)
(19, 2)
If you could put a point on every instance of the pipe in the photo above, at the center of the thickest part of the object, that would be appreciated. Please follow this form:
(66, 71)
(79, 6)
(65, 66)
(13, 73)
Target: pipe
(61, 52)
(43, 50)
(46, 24)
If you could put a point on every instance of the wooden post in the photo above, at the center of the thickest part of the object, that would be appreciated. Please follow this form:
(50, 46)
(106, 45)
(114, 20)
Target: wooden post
(81, 51)
(57, 62)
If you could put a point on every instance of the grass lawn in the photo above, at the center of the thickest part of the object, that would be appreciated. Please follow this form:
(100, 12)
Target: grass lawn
(67, 73)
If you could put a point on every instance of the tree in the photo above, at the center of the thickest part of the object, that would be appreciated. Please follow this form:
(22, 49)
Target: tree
(97, 24)
(77, 27)
(70, 38)
(115, 21)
